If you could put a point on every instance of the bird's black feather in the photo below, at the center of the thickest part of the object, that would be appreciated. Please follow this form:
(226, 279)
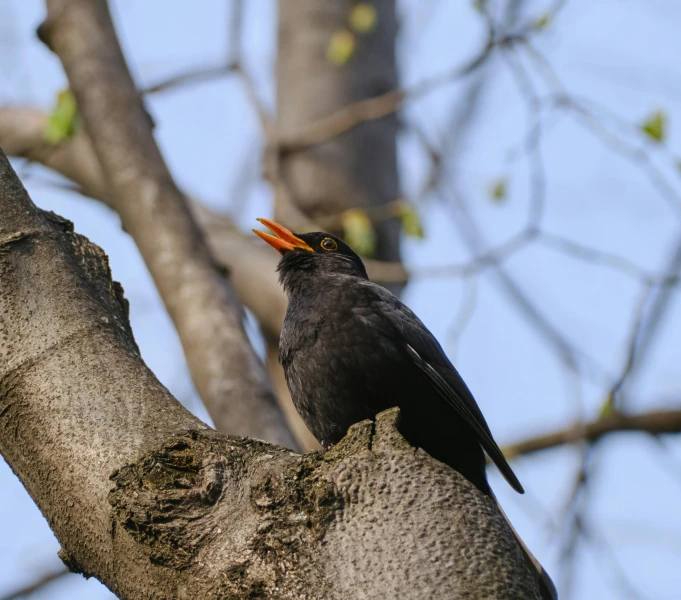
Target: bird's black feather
(350, 349)
(405, 329)
(472, 416)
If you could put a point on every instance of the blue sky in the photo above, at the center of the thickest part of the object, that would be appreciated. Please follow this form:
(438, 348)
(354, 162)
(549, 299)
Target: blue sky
(622, 54)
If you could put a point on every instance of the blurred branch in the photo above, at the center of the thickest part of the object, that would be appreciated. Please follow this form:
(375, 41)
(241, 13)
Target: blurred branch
(659, 309)
(613, 401)
(537, 201)
(380, 106)
(573, 358)
(654, 423)
(191, 76)
(36, 585)
(209, 73)
(666, 278)
(586, 112)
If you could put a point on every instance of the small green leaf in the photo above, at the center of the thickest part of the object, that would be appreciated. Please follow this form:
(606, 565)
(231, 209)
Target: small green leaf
(607, 408)
(411, 222)
(341, 47)
(480, 5)
(498, 191)
(64, 121)
(363, 17)
(359, 232)
(542, 22)
(655, 126)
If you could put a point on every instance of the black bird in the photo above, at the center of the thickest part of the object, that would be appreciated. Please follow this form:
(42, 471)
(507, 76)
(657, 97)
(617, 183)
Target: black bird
(350, 349)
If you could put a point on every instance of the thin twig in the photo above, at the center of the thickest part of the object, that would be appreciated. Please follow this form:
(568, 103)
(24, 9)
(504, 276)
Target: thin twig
(40, 583)
(189, 77)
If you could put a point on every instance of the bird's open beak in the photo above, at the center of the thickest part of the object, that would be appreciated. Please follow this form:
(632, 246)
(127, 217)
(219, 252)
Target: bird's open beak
(282, 239)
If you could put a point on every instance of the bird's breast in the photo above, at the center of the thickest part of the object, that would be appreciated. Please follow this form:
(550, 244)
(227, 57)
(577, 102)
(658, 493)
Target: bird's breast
(338, 370)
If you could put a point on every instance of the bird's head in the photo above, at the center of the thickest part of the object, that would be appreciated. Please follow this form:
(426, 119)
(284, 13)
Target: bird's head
(304, 254)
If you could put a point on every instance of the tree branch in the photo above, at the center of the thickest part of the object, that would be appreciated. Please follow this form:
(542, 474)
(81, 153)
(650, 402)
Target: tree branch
(654, 423)
(146, 498)
(200, 300)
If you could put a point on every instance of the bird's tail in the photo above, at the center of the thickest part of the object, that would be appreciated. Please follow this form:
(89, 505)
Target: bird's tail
(547, 588)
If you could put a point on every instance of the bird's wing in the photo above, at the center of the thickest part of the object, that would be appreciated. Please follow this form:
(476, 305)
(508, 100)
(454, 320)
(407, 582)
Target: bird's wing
(397, 321)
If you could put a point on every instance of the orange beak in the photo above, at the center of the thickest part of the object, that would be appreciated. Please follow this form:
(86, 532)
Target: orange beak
(283, 239)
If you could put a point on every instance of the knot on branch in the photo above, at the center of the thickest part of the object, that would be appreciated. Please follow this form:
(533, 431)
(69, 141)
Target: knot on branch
(381, 435)
(63, 224)
(163, 500)
(298, 505)
(387, 436)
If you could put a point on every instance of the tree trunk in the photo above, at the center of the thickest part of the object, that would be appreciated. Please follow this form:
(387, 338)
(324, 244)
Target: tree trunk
(358, 168)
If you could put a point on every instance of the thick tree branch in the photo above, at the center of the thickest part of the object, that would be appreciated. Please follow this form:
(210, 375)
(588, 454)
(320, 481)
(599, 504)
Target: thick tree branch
(146, 498)
(200, 300)
(654, 423)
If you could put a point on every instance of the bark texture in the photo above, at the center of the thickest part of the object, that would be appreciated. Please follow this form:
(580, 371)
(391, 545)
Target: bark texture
(154, 504)
(199, 298)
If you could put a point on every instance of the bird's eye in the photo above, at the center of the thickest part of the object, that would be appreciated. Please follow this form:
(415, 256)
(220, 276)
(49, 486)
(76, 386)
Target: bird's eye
(329, 244)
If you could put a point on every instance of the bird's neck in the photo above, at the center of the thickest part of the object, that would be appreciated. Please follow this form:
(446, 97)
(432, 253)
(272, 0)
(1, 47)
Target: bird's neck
(303, 272)
(295, 272)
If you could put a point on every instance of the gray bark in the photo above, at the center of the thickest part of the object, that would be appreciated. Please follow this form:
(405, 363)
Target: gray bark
(146, 498)
(199, 298)
(359, 168)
